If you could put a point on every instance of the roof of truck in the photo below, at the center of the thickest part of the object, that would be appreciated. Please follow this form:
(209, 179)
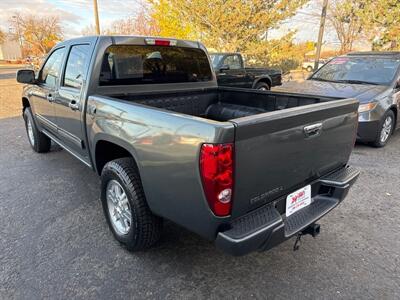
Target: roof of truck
(375, 53)
(225, 53)
(119, 38)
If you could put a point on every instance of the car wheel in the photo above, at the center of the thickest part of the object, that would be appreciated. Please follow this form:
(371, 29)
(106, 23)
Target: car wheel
(125, 206)
(385, 129)
(309, 69)
(38, 141)
(262, 86)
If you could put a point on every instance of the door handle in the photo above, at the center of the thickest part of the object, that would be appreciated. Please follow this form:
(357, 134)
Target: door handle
(313, 130)
(50, 98)
(73, 105)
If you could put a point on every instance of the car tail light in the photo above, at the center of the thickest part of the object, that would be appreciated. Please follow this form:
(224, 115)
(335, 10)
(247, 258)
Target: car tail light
(160, 42)
(216, 169)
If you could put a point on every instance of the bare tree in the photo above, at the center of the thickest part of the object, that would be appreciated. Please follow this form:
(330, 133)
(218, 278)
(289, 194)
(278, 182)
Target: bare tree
(38, 34)
(344, 16)
(141, 24)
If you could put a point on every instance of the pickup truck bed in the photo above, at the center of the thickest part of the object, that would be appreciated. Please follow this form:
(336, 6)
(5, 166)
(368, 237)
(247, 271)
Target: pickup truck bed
(223, 104)
(266, 125)
(229, 164)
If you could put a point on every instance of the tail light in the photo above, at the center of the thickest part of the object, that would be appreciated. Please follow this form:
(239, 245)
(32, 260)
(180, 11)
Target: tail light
(216, 169)
(160, 42)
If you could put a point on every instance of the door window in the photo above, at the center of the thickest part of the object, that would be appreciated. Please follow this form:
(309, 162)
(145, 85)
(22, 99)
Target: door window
(233, 61)
(51, 69)
(75, 71)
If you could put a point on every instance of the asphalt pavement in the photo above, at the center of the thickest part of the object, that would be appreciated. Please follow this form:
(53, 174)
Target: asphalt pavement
(55, 243)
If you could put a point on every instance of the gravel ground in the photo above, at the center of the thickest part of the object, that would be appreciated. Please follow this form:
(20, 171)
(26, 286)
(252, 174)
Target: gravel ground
(10, 93)
(54, 241)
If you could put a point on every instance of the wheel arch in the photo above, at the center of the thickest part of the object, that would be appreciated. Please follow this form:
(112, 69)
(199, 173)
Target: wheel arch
(394, 109)
(266, 79)
(108, 148)
(25, 103)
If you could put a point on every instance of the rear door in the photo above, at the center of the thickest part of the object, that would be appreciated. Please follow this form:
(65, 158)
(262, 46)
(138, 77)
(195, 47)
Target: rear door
(69, 102)
(279, 152)
(45, 91)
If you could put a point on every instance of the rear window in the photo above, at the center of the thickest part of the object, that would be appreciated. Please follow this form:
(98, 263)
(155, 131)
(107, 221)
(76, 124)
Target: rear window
(131, 64)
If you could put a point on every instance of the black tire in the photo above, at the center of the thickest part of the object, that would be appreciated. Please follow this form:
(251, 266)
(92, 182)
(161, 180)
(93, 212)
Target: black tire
(310, 69)
(379, 141)
(262, 86)
(145, 227)
(38, 141)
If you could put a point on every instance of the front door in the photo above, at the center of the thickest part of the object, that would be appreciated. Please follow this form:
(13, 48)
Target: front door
(69, 102)
(235, 75)
(45, 92)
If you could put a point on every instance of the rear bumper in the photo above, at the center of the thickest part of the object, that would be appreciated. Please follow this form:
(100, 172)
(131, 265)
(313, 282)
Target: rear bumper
(264, 228)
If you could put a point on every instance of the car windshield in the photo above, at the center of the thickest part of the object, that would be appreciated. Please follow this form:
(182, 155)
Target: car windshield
(216, 59)
(359, 70)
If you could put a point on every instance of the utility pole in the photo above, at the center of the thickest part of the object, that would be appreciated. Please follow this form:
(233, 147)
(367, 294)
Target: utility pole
(320, 34)
(96, 17)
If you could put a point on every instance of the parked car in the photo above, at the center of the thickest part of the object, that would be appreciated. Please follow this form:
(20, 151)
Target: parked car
(309, 65)
(231, 72)
(244, 168)
(371, 77)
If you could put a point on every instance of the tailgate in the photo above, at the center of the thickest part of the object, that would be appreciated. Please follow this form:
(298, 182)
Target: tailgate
(280, 151)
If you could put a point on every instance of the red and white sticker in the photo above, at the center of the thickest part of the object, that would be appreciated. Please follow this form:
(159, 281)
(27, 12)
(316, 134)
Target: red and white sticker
(338, 61)
(298, 200)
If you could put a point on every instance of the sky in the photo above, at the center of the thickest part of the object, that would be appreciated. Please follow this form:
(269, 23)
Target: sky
(77, 14)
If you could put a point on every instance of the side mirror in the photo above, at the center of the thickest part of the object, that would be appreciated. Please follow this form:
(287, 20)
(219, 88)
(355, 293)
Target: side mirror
(26, 76)
(224, 68)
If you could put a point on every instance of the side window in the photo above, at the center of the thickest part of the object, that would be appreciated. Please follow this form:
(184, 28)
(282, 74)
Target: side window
(51, 69)
(233, 61)
(75, 70)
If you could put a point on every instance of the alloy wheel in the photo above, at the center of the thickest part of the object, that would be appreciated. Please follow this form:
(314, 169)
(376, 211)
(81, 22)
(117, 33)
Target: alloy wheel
(118, 207)
(386, 129)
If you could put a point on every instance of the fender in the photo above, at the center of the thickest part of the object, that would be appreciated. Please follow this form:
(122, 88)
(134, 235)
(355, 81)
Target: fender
(262, 78)
(117, 141)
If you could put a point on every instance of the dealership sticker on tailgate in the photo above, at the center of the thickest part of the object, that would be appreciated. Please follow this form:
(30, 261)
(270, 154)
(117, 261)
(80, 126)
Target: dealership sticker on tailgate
(298, 200)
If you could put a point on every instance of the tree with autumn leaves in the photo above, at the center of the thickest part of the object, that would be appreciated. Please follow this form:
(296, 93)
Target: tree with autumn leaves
(36, 34)
(2, 36)
(232, 26)
(375, 21)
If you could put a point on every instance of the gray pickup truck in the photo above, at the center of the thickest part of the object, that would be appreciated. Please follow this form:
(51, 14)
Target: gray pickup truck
(244, 168)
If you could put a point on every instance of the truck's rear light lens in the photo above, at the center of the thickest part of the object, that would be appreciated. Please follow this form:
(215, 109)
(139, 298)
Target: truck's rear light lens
(160, 42)
(216, 169)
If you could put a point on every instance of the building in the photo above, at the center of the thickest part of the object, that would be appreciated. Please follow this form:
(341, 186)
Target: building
(10, 50)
